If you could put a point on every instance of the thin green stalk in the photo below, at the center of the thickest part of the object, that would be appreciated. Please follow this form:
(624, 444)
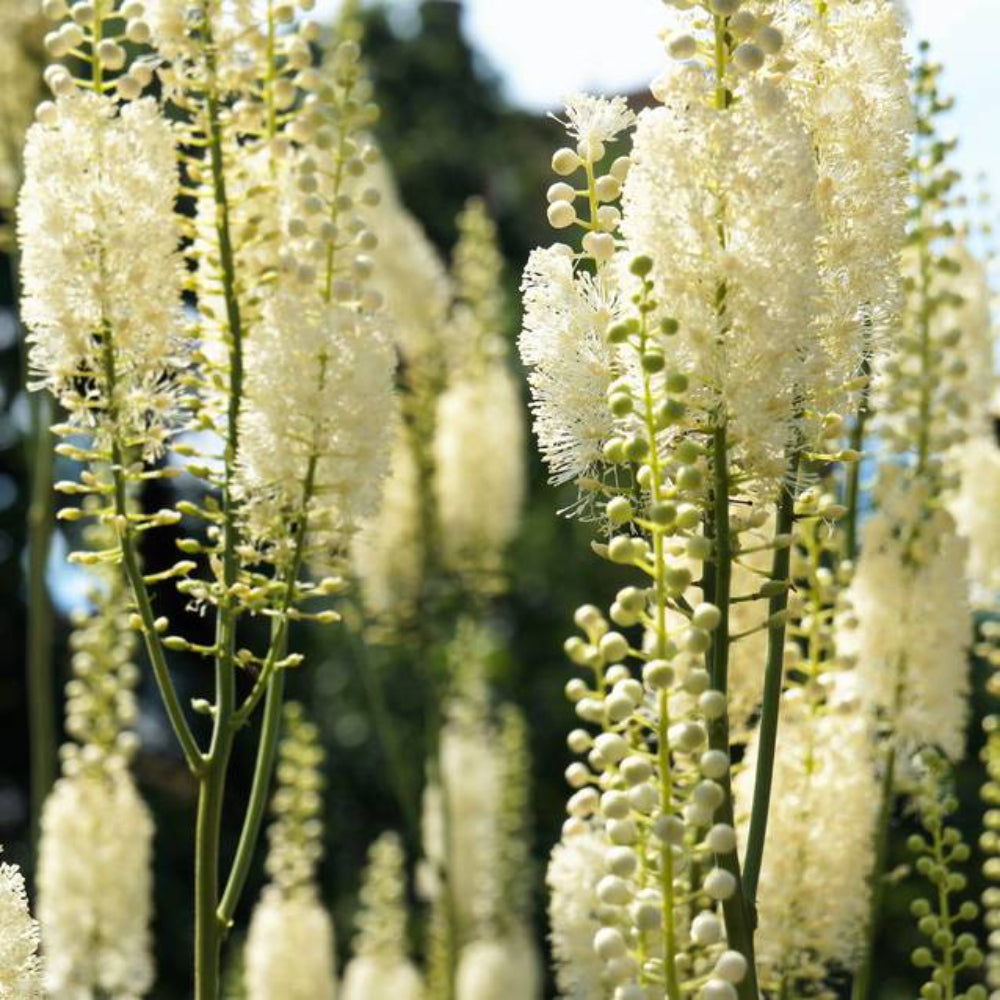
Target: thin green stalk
(852, 498)
(270, 729)
(718, 579)
(768, 732)
(399, 773)
(40, 677)
(663, 707)
(862, 985)
(208, 927)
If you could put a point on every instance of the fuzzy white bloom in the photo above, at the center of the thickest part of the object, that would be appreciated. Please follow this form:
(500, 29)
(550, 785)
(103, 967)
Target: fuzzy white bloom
(324, 412)
(387, 551)
(575, 868)
(93, 271)
(410, 274)
(20, 966)
(748, 655)
(369, 977)
(380, 966)
(912, 633)
(95, 888)
(290, 948)
(500, 969)
(565, 318)
(850, 86)
(594, 121)
(976, 509)
(479, 475)
(463, 842)
(748, 173)
(289, 951)
(813, 898)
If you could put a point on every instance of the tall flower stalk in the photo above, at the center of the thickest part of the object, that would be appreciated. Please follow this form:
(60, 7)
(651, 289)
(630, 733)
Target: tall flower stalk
(679, 280)
(278, 373)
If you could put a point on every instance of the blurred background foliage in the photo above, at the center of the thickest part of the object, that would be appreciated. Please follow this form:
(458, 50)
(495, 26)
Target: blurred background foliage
(448, 134)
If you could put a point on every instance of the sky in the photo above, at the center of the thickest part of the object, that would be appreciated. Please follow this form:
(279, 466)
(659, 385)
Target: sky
(544, 49)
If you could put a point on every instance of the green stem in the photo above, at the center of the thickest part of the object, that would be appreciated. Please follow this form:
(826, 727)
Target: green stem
(670, 972)
(718, 579)
(140, 593)
(853, 492)
(399, 773)
(40, 677)
(861, 988)
(208, 927)
(270, 729)
(768, 732)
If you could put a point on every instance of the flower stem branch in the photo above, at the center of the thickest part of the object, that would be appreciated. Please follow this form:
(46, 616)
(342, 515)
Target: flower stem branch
(717, 583)
(777, 605)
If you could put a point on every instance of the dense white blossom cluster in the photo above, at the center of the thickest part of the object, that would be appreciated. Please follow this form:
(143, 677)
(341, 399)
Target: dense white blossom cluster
(821, 840)
(322, 457)
(479, 467)
(575, 913)
(387, 552)
(566, 315)
(411, 275)
(850, 87)
(748, 174)
(912, 632)
(380, 966)
(496, 969)
(20, 966)
(95, 888)
(290, 947)
(102, 286)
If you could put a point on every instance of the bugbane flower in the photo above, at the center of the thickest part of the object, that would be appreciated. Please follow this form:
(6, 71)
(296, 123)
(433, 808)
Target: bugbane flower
(571, 366)
(575, 868)
(461, 812)
(94, 888)
(20, 966)
(748, 173)
(387, 552)
(290, 948)
(322, 416)
(912, 633)
(820, 839)
(479, 467)
(102, 286)
(479, 429)
(850, 87)
(496, 969)
(380, 966)
(411, 276)
(95, 852)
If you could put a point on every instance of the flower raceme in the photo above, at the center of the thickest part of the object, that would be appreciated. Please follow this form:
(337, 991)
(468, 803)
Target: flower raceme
(274, 390)
(290, 949)
(102, 287)
(20, 966)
